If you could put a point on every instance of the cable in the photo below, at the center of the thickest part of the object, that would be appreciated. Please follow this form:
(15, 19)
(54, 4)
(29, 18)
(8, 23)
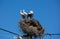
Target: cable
(26, 35)
(51, 34)
(9, 31)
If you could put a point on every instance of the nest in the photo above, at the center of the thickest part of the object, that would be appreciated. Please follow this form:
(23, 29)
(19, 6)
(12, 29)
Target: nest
(31, 27)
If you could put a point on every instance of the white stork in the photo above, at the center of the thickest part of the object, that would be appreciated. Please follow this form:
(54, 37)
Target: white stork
(23, 13)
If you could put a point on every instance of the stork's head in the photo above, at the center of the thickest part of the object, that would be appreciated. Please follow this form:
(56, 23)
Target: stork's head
(23, 13)
(30, 14)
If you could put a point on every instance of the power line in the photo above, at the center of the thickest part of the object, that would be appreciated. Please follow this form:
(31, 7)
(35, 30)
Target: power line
(51, 34)
(24, 35)
(9, 31)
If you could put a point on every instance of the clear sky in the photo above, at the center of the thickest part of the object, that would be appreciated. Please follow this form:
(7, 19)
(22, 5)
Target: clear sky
(47, 12)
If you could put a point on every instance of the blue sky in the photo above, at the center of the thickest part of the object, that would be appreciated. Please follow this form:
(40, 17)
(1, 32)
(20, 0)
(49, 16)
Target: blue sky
(47, 12)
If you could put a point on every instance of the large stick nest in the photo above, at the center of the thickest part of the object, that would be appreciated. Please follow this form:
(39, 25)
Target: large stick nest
(31, 27)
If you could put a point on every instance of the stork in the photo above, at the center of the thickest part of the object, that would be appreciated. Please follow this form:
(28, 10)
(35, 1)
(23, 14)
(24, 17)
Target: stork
(24, 14)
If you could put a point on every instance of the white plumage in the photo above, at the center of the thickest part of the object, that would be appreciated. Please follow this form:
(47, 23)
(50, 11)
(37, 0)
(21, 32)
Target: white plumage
(31, 12)
(23, 12)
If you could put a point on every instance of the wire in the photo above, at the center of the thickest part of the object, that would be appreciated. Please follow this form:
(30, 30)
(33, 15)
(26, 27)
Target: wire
(26, 35)
(51, 34)
(9, 31)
